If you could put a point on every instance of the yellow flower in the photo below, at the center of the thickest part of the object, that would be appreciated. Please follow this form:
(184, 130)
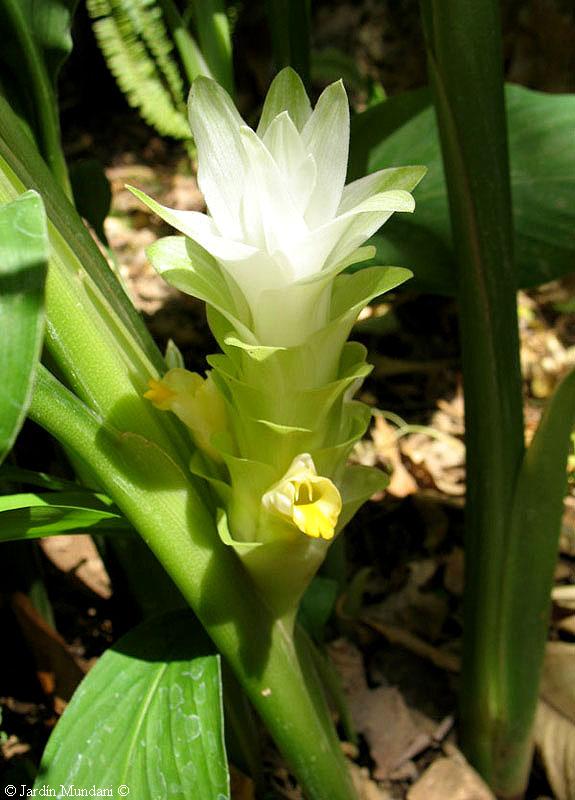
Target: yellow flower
(309, 501)
(196, 401)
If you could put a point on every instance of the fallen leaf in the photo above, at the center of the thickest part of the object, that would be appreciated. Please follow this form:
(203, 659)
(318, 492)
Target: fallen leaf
(59, 672)
(386, 444)
(555, 720)
(451, 778)
(563, 616)
(241, 787)
(12, 747)
(443, 460)
(567, 537)
(419, 611)
(77, 554)
(365, 788)
(394, 732)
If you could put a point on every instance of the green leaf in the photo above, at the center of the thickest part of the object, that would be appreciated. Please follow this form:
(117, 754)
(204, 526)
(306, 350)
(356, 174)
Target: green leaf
(50, 22)
(535, 526)
(331, 64)
(29, 515)
(23, 263)
(29, 477)
(92, 193)
(542, 176)
(377, 123)
(148, 716)
(21, 167)
(317, 606)
(36, 40)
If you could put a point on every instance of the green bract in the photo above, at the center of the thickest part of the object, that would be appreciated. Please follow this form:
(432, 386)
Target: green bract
(268, 260)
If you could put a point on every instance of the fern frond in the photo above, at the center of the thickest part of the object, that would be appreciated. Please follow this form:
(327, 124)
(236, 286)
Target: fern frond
(138, 51)
(148, 22)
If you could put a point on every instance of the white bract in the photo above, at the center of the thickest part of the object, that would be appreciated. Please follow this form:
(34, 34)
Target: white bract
(275, 420)
(281, 222)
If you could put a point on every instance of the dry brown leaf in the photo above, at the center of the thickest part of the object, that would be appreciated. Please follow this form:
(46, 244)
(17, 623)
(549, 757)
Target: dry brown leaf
(58, 670)
(443, 460)
(567, 537)
(450, 778)
(349, 663)
(563, 598)
(402, 483)
(12, 747)
(394, 732)
(77, 554)
(441, 658)
(365, 788)
(412, 608)
(241, 787)
(555, 720)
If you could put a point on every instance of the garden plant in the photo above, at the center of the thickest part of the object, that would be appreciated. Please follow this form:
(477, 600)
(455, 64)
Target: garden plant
(238, 479)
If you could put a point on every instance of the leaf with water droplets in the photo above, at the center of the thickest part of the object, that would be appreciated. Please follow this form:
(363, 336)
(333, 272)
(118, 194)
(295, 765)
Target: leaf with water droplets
(148, 717)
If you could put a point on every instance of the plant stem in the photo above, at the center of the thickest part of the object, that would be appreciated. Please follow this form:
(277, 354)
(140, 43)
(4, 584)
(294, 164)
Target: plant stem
(464, 50)
(289, 22)
(190, 54)
(163, 505)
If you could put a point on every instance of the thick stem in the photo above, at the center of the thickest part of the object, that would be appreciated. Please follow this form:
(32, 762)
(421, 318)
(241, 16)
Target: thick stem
(162, 504)
(464, 48)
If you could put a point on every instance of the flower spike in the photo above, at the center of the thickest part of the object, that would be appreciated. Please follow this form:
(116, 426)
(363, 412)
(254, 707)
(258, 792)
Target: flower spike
(275, 416)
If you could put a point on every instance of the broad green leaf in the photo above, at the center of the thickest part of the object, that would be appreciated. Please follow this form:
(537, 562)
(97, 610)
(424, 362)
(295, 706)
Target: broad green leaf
(542, 175)
(148, 717)
(23, 263)
(377, 123)
(29, 515)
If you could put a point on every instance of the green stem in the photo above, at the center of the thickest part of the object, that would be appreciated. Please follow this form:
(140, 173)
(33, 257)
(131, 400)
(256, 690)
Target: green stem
(190, 54)
(215, 42)
(289, 22)
(464, 50)
(163, 505)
